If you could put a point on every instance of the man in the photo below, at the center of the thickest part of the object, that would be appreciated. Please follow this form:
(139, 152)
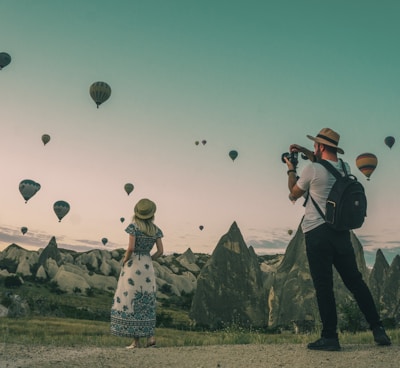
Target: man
(327, 247)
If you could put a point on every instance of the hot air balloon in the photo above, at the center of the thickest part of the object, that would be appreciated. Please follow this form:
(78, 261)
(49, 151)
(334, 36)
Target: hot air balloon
(61, 208)
(128, 188)
(24, 229)
(204, 142)
(201, 227)
(104, 241)
(389, 141)
(196, 143)
(233, 154)
(100, 92)
(290, 231)
(122, 219)
(366, 163)
(45, 139)
(5, 59)
(28, 188)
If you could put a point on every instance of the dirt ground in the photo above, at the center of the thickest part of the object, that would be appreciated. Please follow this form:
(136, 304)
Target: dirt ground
(221, 356)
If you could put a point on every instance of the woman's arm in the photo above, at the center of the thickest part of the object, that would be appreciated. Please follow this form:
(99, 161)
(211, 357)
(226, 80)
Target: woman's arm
(160, 249)
(130, 249)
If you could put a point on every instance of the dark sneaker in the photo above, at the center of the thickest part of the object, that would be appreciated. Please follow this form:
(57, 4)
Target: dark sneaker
(324, 343)
(380, 336)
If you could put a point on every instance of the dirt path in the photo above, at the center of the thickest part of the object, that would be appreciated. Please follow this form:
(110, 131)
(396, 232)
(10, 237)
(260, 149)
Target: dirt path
(221, 356)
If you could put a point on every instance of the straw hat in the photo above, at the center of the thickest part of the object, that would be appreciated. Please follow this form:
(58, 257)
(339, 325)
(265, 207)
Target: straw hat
(328, 137)
(145, 209)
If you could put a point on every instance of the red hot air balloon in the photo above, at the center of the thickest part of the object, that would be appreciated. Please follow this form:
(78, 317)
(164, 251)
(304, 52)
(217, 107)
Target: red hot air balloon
(366, 163)
(389, 141)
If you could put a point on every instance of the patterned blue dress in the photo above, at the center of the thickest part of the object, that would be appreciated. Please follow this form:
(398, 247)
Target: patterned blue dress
(133, 312)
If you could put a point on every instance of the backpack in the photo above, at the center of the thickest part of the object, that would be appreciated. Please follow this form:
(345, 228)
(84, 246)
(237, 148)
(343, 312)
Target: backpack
(346, 205)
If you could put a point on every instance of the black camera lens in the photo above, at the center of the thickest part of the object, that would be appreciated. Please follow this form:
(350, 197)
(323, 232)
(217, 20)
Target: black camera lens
(292, 157)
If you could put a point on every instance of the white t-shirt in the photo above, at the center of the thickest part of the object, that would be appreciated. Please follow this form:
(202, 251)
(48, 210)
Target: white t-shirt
(318, 181)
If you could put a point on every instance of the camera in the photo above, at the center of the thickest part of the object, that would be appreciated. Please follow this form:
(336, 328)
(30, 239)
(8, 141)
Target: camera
(293, 157)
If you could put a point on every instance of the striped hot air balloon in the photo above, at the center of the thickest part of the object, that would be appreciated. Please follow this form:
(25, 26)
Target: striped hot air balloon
(100, 92)
(366, 163)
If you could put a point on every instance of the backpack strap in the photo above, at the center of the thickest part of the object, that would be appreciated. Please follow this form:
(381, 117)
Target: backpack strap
(317, 207)
(335, 173)
(333, 170)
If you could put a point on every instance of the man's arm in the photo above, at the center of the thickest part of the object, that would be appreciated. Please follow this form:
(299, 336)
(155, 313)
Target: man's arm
(295, 193)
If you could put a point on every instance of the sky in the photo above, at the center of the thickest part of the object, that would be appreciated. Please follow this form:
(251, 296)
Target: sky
(254, 76)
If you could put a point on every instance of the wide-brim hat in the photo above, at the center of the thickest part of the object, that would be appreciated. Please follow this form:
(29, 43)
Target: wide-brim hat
(145, 209)
(328, 137)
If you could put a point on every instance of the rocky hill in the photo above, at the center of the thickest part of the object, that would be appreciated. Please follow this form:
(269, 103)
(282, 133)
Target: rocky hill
(233, 285)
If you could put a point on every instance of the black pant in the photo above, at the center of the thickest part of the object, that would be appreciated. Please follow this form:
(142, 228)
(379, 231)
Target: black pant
(327, 247)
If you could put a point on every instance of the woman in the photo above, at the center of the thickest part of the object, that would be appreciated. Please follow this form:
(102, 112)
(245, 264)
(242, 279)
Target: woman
(133, 312)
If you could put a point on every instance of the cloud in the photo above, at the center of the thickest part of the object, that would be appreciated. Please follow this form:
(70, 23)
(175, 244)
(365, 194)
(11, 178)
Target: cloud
(35, 240)
(268, 247)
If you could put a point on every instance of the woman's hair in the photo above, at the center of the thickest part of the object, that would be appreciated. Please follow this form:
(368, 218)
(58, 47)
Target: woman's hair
(147, 226)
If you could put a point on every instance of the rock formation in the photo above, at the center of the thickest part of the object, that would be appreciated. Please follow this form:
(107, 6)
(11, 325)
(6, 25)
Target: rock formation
(378, 276)
(230, 287)
(292, 298)
(390, 296)
(50, 252)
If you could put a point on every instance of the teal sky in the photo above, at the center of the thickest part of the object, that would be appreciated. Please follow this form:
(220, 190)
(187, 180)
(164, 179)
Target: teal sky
(254, 76)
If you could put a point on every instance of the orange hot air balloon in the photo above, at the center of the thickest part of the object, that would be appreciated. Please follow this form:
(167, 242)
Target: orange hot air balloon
(366, 163)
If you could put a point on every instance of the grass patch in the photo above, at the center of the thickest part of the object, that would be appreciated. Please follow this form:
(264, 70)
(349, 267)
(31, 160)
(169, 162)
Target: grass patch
(72, 332)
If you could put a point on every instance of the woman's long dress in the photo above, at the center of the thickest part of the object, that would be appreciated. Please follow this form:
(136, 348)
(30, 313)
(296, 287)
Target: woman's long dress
(133, 312)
